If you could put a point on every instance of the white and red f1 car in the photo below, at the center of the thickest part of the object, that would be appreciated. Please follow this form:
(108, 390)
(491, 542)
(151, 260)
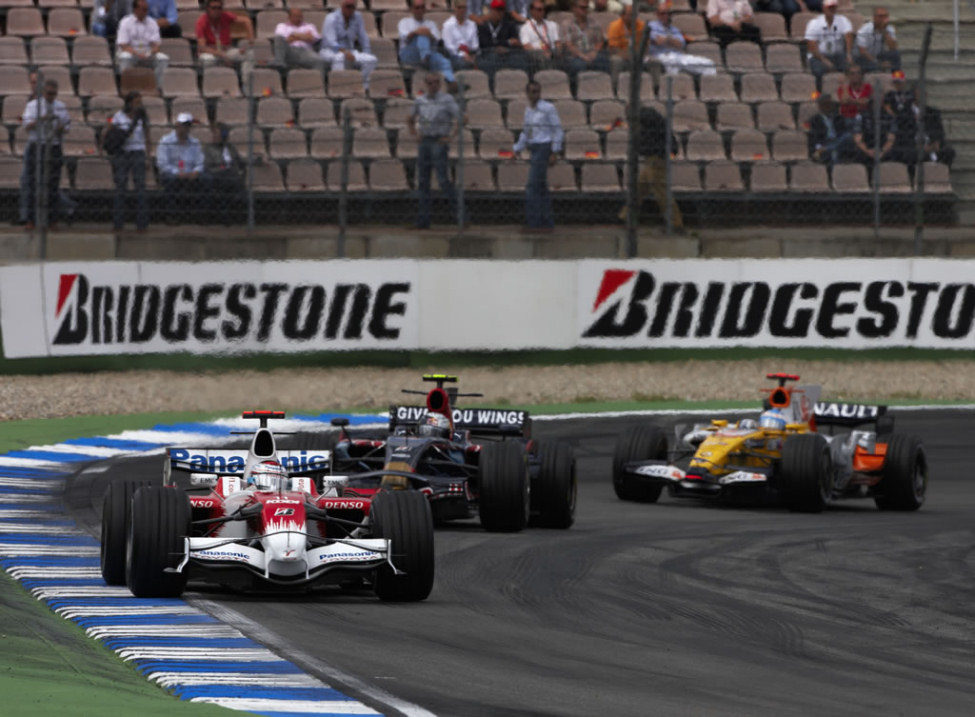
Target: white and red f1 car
(268, 518)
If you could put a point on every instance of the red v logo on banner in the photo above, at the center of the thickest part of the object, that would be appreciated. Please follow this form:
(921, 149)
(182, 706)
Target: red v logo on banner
(612, 280)
(67, 283)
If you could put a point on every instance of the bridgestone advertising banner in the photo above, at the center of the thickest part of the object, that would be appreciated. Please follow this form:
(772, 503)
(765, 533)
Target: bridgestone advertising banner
(76, 308)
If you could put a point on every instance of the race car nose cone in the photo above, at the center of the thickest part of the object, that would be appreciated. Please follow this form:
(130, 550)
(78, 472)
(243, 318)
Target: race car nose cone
(284, 546)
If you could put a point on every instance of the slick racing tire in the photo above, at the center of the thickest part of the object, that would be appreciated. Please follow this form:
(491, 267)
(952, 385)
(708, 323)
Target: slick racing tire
(553, 492)
(160, 520)
(905, 474)
(806, 473)
(403, 517)
(504, 499)
(638, 444)
(115, 529)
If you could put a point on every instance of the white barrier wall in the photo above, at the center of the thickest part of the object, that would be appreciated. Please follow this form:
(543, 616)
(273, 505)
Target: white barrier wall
(76, 308)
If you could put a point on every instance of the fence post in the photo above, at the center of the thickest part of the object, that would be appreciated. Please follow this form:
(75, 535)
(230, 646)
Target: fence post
(251, 115)
(668, 151)
(875, 111)
(344, 180)
(637, 51)
(922, 97)
(41, 161)
(459, 178)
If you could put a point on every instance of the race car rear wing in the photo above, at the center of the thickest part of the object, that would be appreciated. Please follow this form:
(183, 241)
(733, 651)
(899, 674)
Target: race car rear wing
(847, 414)
(479, 421)
(222, 461)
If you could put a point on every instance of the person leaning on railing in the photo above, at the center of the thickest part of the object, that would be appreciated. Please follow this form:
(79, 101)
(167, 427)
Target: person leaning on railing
(436, 118)
(542, 136)
(131, 159)
(225, 167)
(46, 119)
(652, 179)
(180, 161)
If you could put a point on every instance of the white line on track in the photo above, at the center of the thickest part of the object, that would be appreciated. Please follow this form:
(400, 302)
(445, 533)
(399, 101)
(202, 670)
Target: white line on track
(269, 707)
(172, 679)
(259, 633)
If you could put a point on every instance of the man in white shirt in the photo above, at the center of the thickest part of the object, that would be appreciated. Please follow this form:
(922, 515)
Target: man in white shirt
(294, 42)
(138, 41)
(46, 119)
(460, 37)
(341, 31)
(829, 41)
(418, 40)
(540, 37)
(877, 44)
(542, 135)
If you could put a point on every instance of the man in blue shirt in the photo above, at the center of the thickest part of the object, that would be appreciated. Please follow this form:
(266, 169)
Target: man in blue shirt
(542, 135)
(179, 158)
(164, 13)
(342, 30)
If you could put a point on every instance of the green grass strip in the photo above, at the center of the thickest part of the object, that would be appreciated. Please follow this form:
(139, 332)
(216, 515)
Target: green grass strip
(49, 667)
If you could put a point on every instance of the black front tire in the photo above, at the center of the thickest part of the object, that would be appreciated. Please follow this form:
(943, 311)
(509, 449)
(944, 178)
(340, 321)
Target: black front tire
(503, 486)
(159, 522)
(404, 518)
(905, 477)
(116, 509)
(554, 490)
(806, 473)
(642, 443)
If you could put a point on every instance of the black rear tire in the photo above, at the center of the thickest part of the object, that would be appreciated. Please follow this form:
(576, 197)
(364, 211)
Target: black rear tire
(806, 473)
(642, 443)
(160, 520)
(553, 492)
(404, 518)
(905, 477)
(503, 485)
(116, 509)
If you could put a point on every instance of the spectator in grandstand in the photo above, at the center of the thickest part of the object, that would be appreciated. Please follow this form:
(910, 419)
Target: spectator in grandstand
(876, 44)
(131, 159)
(619, 37)
(584, 47)
(106, 16)
(855, 95)
(786, 8)
(498, 38)
(460, 38)
(138, 41)
(899, 100)
(341, 31)
(540, 38)
(830, 139)
(731, 20)
(224, 166)
(476, 10)
(213, 42)
(436, 119)
(875, 142)
(294, 42)
(418, 40)
(829, 42)
(542, 136)
(667, 45)
(652, 178)
(46, 119)
(936, 147)
(179, 158)
(166, 17)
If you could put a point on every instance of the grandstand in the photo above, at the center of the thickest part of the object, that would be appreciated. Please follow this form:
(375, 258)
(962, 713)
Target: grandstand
(742, 148)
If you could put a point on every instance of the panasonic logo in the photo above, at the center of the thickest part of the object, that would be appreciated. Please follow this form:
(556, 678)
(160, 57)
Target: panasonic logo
(217, 463)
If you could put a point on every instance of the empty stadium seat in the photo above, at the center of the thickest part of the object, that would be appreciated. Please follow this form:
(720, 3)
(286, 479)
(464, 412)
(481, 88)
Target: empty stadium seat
(326, 143)
(25, 22)
(758, 87)
(359, 111)
(316, 112)
(370, 143)
(386, 83)
(512, 176)
(242, 140)
(66, 22)
(562, 178)
(478, 177)
(937, 178)
(768, 177)
(582, 144)
(137, 79)
(305, 175)
(705, 145)
(101, 108)
(79, 141)
(343, 84)
(772, 27)
(734, 115)
(484, 113)
(605, 114)
(706, 48)
(388, 175)
(93, 174)
(682, 88)
(90, 50)
(287, 143)
(267, 20)
(155, 110)
(218, 82)
(685, 177)
(475, 84)
(555, 84)
(356, 178)
(13, 51)
(893, 178)
(407, 144)
(808, 177)
(832, 82)
(275, 112)
(178, 50)
(592, 86)
(516, 114)
(744, 57)
(798, 87)
(232, 111)
(690, 115)
(617, 144)
(266, 83)
(623, 86)
(572, 113)
(789, 146)
(749, 145)
(383, 48)
(495, 143)
(397, 113)
(510, 84)
(266, 177)
(690, 24)
(850, 179)
(15, 81)
(718, 88)
(799, 22)
(774, 116)
(49, 51)
(782, 58)
(305, 83)
(13, 108)
(10, 168)
(722, 176)
(176, 82)
(598, 177)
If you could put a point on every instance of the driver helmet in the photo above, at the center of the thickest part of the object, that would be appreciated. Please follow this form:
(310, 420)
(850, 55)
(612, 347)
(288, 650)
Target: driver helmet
(435, 425)
(773, 419)
(268, 475)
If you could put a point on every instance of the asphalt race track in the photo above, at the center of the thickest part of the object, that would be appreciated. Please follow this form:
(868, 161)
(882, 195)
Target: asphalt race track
(674, 608)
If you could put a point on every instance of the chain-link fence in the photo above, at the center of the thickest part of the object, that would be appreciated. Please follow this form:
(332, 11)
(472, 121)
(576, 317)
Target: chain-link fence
(747, 136)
